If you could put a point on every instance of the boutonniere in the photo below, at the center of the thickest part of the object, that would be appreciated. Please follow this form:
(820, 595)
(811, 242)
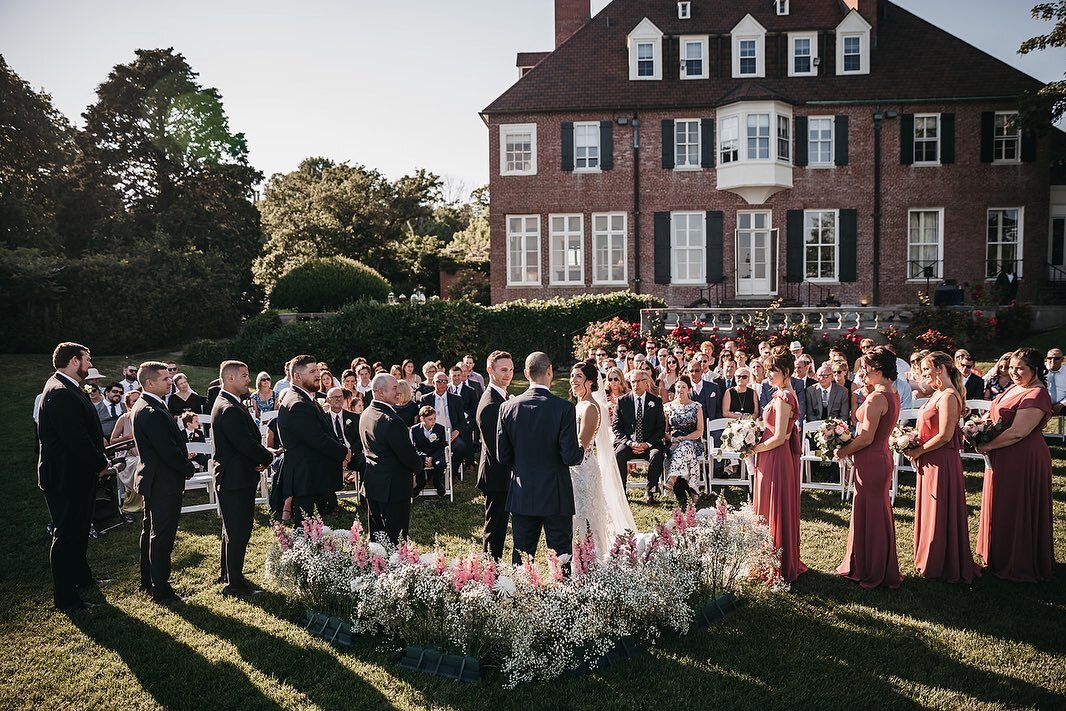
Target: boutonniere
(88, 389)
(324, 405)
(348, 421)
(432, 436)
(650, 404)
(246, 404)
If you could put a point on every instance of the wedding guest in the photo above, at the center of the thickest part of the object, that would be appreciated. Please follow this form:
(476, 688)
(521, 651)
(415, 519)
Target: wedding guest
(110, 408)
(742, 359)
(93, 391)
(796, 349)
(123, 432)
(776, 489)
(871, 554)
(1015, 538)
(469, 398)
(760, 383)
(914, 376)
(346, 429)
(430, 441)
(190, 430)
(362, 388)
(651, 353)
(626, 363)
(452, 415)
(349, 380)
(703, 392)
(396, 371)
(328, 383)
(684, 436)
(160, 478)
(974, 386)
(472, 375)
(405, 405)
(616, 388)
(129, 378)
(740, 399)
(1056, 381)
(407, 372)
(827, 398)
(282, 385)
(668, 377)
(493, 477)
(805, 373)
(263, 398)
(998, 379)
(941, 532)
(240, 457)
(429, 369)
(865, 346)
(639, 430)
(840, 377)
(70, 463)
(357, 465)
(184, 397)
(764, 350)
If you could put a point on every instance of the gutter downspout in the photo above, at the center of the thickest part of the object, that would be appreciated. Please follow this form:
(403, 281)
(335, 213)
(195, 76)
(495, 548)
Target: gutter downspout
(636, 203)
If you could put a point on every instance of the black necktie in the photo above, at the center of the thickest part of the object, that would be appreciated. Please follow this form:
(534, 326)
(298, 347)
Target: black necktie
(638, 429)
(114, 413)
(337, 427)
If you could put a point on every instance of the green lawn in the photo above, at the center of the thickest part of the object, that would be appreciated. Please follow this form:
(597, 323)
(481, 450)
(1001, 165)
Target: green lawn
(827, 643)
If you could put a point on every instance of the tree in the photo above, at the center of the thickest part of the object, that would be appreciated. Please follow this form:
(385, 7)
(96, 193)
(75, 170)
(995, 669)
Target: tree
(470, 247)
(1052, 97)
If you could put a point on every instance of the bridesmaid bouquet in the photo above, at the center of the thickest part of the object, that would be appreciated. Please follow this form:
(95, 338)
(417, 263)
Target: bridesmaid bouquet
(903, 438)
(741, 436)
(832, 434)
(980, 429)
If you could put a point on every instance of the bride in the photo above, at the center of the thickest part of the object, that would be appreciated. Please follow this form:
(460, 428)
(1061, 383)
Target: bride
(600, 501)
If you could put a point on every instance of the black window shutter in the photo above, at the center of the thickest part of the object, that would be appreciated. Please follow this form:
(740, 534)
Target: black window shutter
(606, 145)
(1028, 145)
(906, 139)
(840, 140)
(568, 145)
(662, 248)
(802, 138)
(715, 267)
(668, 144)
(988, 136)
(794, 247)
(849, 237)
(947, 138)
(707, 143)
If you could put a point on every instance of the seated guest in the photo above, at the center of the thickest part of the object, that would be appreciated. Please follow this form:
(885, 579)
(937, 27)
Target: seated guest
(184, 398)
(450, 414)
(740, 399)
(395, 371)
(430, 440)
(827, 398)
(407, 372)
(129, 378)
(263, 397)
(362, 387)
(804, 372)
(123, 432)
(469, 397)
(349, 380)
(1056, 381)
(354, 405)
(703, 392)
(998, 379)
(760, 381)
(429, 369)
(110, 408)
(190, 424)
(975, 386)
(282, 385)
(406, 407)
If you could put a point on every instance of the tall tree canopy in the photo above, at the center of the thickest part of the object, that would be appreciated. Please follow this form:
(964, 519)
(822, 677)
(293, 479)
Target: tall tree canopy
(1053, 96)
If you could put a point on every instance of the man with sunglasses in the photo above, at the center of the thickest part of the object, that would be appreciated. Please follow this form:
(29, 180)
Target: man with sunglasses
(975, 386)
(129, 378)
(1056, 381)
(110, 408)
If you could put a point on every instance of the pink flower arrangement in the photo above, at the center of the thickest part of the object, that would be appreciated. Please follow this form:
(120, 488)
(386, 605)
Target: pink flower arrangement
(355, 535)
(408, 552)
(721, 510)
(585, 552)
(534, 575)
(282, 534)
(555, 568)
(377, 564)
(488, 574)
(460, 575)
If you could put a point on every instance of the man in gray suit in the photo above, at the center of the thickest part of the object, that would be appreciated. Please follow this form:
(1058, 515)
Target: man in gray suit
(827, 398)
(110, 408)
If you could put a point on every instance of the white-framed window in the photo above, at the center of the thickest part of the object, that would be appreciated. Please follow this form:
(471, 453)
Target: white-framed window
(782, 6)
(688, 248)
(925, 243)
(586, 146)
(729, 139)
(518, 149)
(852, 53)
(645, 44)
(686, 143)
(927, 138)
(609, 240)
(821, 255)
(819, 140)
(694, 58)
(523, 250)
(784, 138)
(684, 10)
(566, 249)
(853, 44)
(749, 48)
(803, 53)
(1004, 240)
(1007, 138)
(758, 134)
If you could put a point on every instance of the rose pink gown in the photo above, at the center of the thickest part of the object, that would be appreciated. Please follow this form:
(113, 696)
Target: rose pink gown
(941, 520)
(871, 558)
(777, 489)
(1015, 539)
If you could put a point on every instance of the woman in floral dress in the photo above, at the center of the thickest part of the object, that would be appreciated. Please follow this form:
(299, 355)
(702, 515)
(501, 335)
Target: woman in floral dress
(684, 432)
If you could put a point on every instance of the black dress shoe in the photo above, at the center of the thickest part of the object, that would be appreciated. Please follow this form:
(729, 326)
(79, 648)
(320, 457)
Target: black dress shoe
(650, 499)
(76, 606)
(221, 580)
(171, 599)
(240, 591)
(95, 583)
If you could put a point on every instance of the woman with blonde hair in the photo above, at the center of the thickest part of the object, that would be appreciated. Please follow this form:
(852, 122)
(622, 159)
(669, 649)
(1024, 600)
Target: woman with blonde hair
(406, 408)
(263, 397)
(616, 387)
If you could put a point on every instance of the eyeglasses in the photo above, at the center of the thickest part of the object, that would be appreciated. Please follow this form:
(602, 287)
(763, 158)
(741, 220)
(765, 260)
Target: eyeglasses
(742, 377)
(172, 370)
(612, 380)
(1053, 358)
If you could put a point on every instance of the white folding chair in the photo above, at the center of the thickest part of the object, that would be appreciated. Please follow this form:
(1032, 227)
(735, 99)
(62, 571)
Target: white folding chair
(1060, 428)
(449, 479)
(809, 458)
(902, 463)
(203, 480)
(918, 403)
(976, 407)
(266, 417)
(715, 454)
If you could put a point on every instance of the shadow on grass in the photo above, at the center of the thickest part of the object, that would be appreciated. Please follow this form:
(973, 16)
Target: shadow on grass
(165, 667)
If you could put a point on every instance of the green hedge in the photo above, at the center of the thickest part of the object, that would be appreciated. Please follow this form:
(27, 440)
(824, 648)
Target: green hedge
(436, 329)
(326, 284)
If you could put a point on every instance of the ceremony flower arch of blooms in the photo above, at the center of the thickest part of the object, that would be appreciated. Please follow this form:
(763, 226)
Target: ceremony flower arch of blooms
(530, 620)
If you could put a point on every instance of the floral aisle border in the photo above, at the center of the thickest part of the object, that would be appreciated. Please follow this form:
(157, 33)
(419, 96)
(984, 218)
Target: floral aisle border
(535, 623)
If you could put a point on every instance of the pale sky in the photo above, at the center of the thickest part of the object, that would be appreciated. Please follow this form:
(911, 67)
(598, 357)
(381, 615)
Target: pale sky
(395, 85)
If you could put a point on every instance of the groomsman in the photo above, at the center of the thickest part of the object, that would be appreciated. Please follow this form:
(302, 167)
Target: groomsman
(314, 456)
(160, 477)
(71, 461)
(493, 478)
(240, 457)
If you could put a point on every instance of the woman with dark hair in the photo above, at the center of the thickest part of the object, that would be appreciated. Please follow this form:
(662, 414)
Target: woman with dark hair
(1014, 539)
(667, 378)
(998, 379)
(776, 494)
(871, 555)
(684, 434)
(408, 373)
(184, 398)
(941, 529)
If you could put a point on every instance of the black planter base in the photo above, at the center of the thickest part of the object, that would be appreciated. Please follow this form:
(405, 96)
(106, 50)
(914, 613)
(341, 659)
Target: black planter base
(435, 662)
(332, 629)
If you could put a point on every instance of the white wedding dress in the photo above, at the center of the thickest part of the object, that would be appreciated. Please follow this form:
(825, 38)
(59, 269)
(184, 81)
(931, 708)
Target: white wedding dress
(600, 502)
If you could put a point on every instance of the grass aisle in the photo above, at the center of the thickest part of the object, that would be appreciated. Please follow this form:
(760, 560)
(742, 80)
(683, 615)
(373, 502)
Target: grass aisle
(825, 644)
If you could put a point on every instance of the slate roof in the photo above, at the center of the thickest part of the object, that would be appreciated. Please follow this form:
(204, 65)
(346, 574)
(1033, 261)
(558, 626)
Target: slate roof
(913, 60)
(530, 59)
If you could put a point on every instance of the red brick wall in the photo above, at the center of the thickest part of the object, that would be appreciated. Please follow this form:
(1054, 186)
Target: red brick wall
(965, 189)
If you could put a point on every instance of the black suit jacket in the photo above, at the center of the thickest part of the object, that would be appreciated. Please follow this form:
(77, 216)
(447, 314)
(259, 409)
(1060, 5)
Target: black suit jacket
(710, 399)
(456, 413)
(625, 420)
(313, 454)
(391, 459)
(165, 463)
(425, 448)
(238, 445)
(72, 443)
(491, 475)
(537, 440)
(470, 399)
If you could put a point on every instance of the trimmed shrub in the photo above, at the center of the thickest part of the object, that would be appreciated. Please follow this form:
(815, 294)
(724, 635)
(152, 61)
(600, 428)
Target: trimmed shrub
(326, 284)
(607, 336)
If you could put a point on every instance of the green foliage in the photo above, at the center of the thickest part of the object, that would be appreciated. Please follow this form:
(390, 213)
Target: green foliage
(607, 336)
(472, 285)
(325, 284)
(934, 340)
(1051, 99)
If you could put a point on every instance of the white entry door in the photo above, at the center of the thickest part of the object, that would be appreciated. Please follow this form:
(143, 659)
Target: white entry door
(756, 254)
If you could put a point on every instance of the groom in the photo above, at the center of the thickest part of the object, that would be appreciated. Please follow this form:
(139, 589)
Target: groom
(537, 441)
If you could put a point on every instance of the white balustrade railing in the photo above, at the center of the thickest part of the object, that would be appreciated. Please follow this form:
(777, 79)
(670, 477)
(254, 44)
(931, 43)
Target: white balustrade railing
(726, 320)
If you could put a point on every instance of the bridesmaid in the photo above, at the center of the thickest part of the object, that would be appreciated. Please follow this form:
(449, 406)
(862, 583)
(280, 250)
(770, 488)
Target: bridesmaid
(871, 556)
(941, 527)
(1014, 539)
(777, 470)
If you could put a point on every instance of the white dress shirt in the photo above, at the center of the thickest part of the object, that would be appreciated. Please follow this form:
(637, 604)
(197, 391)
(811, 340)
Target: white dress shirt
(1056, 385)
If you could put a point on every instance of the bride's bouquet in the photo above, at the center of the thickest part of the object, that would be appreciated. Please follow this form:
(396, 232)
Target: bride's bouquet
(980, 429)
(740, 436)
(832, 434)
(903, 438)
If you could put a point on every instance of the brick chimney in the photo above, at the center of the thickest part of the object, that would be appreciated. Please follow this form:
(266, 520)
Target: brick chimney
(869, 9)
(570, 16)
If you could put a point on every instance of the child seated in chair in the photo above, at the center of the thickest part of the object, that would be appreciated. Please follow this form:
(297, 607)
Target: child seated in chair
(430, 440)
(193, 433)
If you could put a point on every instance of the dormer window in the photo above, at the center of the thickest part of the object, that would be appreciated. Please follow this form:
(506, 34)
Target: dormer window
(853, 45)
(684, 10)
(645, 52)
(749, 49)
(782, 6)
(803, 54)
(852, 53)
(694, 57)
